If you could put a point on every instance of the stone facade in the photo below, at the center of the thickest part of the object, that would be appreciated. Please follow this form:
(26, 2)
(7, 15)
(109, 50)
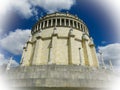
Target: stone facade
(61, 39)
(65, 77)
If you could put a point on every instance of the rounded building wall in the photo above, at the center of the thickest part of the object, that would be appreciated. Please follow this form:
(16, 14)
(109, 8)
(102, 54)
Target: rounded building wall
(61, 39)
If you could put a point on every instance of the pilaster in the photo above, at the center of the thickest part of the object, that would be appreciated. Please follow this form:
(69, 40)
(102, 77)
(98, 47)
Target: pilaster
(71, 47)
(53, 49)
(87, 52)
(94, 56)
(37, 52)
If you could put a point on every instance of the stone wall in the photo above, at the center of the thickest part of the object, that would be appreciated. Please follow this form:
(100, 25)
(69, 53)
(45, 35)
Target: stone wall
(70, 76)
(61, 46)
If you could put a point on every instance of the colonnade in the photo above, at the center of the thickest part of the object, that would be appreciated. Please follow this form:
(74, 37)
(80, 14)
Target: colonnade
(60, 22)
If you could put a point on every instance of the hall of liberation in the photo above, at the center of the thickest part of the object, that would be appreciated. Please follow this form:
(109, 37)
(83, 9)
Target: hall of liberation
(61, 39)
(60, 54)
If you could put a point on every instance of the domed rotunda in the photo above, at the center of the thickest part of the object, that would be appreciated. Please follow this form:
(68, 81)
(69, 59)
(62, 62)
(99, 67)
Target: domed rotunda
(60, 39)
(60, 55)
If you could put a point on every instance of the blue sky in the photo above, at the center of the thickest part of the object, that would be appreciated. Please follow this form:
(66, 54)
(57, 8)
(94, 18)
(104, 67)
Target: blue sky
(18, 17)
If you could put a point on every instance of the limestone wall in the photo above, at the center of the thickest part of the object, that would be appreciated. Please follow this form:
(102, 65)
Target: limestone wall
(60, 76)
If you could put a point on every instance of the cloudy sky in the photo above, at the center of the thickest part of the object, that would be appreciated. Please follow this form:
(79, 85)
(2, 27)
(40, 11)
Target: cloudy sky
(18, 16)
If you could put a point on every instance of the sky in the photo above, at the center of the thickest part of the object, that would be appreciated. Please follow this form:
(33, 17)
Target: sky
(17, 17)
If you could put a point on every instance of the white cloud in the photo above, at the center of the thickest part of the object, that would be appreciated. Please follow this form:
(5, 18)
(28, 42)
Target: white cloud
(53, 5)
(14, 41)
(4, 7)
(4, 61)
(111, 52)
(28, 7)
(23, 7)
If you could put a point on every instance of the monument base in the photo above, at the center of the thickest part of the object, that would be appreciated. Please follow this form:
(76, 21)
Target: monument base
(57, 77)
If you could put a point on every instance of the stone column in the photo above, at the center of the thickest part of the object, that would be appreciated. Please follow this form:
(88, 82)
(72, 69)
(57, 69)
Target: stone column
(47, 22)
(86, 49)
(80, 25)
(37, 27)
(71, 47)
(53, 49)
(43, 24)
(56, 22)
(93, 53)
(65, 22)
(37, 52)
